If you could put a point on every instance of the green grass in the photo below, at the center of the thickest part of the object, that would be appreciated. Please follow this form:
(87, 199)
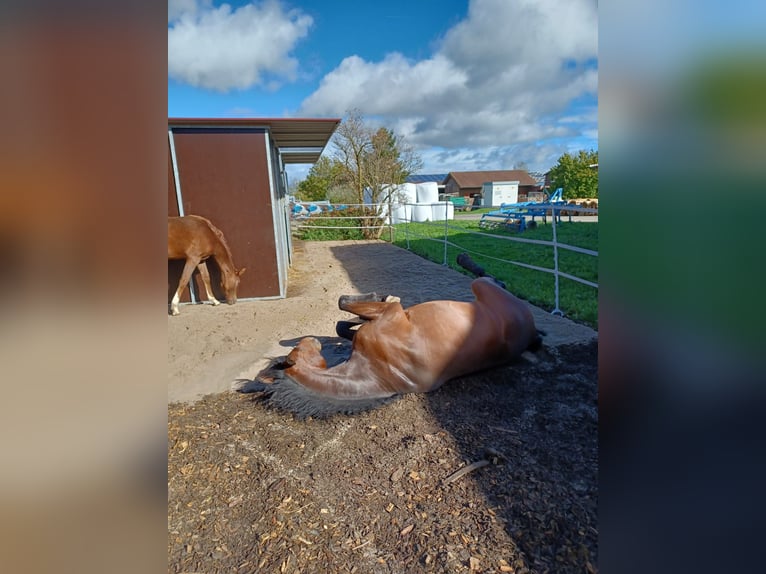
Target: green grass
(578, 302)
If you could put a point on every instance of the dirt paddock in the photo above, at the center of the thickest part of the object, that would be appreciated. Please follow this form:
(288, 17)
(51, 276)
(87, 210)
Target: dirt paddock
(255, 490)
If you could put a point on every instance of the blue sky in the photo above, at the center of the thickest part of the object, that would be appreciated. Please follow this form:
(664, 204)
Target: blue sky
(471, 85)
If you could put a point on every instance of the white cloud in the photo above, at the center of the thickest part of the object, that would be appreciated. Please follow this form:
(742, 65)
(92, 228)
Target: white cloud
(529, 36)
(393, 86)
(177, 8)
(539, 156)
(498, 80)
(221, 49)
(297, 172)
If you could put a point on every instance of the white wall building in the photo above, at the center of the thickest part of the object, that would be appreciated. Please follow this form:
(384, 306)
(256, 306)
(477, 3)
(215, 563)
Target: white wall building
(495, 193)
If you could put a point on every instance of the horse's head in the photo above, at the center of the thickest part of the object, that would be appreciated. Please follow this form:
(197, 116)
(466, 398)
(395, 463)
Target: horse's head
(308, 351)
(230, 283)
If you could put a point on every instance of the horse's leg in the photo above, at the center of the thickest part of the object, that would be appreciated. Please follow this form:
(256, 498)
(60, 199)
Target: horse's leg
(351, 303)
(185, 277)
(202, 268)
(346, 300)
(346, 329)
(369, 310)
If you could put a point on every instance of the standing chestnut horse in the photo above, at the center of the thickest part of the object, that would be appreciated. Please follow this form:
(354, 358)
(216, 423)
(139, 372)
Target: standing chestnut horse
(195, 239)
(397, 351)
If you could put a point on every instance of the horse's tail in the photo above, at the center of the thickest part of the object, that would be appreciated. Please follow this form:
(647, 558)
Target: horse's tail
(285, 393)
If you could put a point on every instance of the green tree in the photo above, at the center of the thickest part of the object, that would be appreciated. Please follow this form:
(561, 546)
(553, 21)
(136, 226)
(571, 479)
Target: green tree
(341, 194)
(576, 174)
(319, 181)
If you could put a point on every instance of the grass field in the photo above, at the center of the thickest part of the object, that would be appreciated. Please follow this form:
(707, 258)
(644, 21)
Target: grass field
(578, 302)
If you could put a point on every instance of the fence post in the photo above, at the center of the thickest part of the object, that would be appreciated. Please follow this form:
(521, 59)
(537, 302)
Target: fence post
(446, 231)
(556, 310)
(407, 225)
(390, 220)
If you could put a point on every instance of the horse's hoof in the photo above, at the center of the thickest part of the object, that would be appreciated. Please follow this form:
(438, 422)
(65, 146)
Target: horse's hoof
(215, 302)
(345, 300)
(175, 312)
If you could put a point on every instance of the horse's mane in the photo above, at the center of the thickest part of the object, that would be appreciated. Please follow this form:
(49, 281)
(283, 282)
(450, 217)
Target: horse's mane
(221, 238)
(287, 394)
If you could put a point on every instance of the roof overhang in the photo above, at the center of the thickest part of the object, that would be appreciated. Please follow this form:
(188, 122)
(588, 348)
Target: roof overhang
(298, 140)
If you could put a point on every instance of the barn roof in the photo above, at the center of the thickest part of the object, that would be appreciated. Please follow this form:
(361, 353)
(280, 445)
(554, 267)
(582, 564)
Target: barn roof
(422, 178)
(477, 178)
(300, 140)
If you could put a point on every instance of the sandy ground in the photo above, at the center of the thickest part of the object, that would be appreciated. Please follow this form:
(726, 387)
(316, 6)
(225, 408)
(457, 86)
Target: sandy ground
(493, 472)
(209, 348)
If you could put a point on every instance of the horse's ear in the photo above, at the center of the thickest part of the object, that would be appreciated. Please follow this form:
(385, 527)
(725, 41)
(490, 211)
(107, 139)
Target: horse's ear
(241, 271)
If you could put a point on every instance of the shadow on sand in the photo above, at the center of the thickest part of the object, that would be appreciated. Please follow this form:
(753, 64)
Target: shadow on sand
(538, 421)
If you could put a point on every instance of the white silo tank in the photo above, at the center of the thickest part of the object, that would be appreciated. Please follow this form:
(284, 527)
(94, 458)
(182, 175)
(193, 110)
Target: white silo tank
(439, 211)
(421, 212)
(398, 214)
(402, 212)
(443, 210)
(428, 192)
(408, 193)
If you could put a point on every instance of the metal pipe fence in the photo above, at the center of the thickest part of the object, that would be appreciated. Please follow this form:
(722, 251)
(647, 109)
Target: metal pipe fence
(389, 216)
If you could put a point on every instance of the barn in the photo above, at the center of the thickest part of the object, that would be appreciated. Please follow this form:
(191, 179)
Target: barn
(472, 184)
(232, 171)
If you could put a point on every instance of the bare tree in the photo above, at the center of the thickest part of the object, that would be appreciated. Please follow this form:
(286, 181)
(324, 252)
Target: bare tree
(350, 145)
(374, 162)
(389, 164)
(521, 165)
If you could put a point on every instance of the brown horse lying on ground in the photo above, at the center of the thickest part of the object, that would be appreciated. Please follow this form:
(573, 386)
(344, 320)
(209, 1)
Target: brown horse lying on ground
(397, 351)
(195, 239)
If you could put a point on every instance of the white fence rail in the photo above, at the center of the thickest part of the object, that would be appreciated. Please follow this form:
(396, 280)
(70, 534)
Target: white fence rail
(383, 220)
(303, 220)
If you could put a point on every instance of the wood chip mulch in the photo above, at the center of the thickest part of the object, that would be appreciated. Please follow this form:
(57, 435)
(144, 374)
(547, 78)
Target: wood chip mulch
(255, 490)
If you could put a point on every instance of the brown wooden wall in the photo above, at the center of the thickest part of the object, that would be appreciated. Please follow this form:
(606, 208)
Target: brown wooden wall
(224, 176)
